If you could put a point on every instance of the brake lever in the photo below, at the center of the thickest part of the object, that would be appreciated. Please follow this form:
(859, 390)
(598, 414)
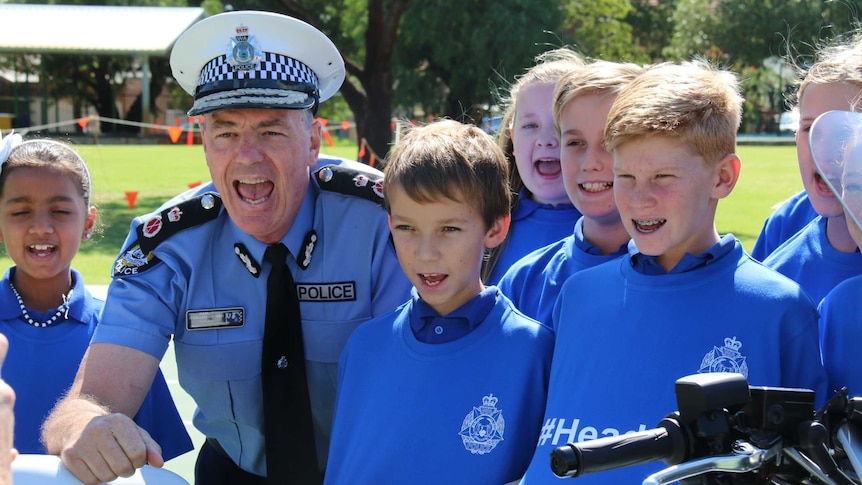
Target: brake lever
(745, 458)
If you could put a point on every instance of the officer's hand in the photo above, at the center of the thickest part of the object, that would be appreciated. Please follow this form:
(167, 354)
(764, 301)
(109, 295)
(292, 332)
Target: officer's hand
(7, 420)
(109, 447)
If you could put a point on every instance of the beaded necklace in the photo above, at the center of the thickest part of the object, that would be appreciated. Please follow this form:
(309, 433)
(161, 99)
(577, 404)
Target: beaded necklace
(62, 310)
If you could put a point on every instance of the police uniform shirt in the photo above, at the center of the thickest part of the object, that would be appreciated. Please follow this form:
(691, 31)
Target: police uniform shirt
(206, 285)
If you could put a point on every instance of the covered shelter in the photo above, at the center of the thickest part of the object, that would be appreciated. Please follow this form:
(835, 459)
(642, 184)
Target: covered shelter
(138, 32)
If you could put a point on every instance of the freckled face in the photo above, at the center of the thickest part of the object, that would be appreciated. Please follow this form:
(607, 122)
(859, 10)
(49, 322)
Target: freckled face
(259, 160)
(440, 246)
(660, 187)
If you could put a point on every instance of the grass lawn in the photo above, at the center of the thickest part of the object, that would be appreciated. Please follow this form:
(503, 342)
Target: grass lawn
(158, 172)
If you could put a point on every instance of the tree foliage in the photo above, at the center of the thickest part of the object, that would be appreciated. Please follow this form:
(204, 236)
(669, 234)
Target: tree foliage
(451, 60)
(651, 22)
(600, 30)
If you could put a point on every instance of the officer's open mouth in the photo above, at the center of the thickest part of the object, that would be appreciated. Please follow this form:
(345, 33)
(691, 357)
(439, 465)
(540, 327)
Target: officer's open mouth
(254, 191)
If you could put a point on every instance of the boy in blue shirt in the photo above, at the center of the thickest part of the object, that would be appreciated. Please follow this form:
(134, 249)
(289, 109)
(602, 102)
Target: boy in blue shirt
(450, 387)
(534, 282)
(683, 300)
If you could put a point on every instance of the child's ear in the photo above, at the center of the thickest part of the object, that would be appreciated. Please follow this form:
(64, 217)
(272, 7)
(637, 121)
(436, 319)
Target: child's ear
(727, 171)
(389, 219)
(497, 233)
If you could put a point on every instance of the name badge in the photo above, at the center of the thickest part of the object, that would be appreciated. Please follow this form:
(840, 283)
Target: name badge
(215, 318)
(341, 291)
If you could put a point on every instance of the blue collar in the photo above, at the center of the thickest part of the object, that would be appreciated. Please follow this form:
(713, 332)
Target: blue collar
(527, 206)
(648, 265)
(584, 246)
(81, 310)
(429, 327)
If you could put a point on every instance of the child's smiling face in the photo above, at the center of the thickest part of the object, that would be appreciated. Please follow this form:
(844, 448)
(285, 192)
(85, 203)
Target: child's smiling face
(43, 219)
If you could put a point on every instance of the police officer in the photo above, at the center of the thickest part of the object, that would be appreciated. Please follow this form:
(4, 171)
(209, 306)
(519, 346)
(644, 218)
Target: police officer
(194, 270)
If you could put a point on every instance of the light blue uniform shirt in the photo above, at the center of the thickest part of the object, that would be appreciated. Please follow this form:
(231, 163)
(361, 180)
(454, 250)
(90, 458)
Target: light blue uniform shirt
(196, 287)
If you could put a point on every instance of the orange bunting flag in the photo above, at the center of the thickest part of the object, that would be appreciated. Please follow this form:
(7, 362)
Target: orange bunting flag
(131, 197)
(174, 132)
(323, 121)
(371, 161)
(328, 139)
(345, 125)
(194, 184)
(362, 149)
(83, 122)
(190, 135)
(392, 125)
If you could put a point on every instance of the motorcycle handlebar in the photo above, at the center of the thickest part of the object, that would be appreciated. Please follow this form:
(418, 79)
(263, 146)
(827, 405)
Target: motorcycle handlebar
(669, 442)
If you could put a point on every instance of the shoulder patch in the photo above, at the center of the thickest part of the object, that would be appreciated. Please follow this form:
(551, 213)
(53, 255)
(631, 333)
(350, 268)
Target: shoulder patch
(367, 184)
(158, 227)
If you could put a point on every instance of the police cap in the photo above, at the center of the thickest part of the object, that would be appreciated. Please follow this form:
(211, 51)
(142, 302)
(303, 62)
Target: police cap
(250, 59)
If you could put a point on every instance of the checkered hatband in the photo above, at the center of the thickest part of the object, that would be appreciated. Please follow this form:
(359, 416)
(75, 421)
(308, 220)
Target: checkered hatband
(275, 81)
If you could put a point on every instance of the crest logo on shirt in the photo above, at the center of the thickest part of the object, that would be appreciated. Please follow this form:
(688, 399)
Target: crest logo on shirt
(132, 262)
(483, 427)
(725, 359)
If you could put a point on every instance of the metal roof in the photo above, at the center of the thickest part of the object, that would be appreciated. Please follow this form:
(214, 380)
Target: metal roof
(74, 29)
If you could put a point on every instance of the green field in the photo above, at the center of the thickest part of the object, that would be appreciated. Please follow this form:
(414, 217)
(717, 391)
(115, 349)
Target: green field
(158, 172)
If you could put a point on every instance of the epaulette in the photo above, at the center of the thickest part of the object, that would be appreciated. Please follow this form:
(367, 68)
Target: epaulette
(157, 228)
(367, 184)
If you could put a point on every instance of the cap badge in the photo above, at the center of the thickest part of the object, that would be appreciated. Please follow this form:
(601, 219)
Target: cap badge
(244, 53)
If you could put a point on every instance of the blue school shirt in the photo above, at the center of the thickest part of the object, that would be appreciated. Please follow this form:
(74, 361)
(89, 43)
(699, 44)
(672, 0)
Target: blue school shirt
(534, 282)
(625, 337)
(205, 287)
(841, 334)
(809, 259)
(466, 411)
(791, 215)
(42, 362)
(533, 226)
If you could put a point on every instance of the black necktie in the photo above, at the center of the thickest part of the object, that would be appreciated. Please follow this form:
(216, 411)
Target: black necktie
(291, 456)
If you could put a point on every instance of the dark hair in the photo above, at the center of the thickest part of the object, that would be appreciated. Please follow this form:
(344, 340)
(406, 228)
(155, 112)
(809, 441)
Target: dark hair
(452, 160)
(49, 154)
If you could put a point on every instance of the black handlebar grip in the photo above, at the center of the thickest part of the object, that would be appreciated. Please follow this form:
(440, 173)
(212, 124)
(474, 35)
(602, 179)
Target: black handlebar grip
(667, 442)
